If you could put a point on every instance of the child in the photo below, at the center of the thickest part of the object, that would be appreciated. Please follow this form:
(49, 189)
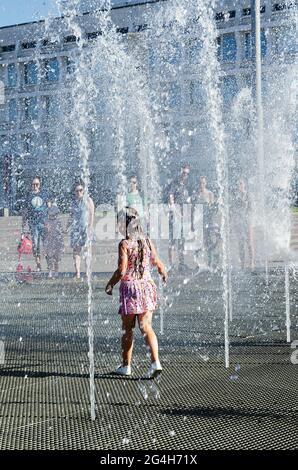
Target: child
(53, 242)
(138, 297)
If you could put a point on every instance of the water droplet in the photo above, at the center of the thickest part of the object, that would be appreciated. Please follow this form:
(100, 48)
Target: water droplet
(233, 378)
(125, 441)
(205, 358)
(20, 339)
(143, 390)
(155, 391)
(172, 433)
(237, 368)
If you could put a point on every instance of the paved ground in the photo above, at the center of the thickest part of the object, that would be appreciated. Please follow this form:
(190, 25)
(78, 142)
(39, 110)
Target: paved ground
(197, 404)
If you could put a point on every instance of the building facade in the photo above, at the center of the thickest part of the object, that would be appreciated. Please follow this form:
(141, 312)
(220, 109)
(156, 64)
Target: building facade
(34, 67)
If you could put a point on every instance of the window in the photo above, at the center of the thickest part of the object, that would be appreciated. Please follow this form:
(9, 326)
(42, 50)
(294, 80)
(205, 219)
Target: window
(172, 53)
(70, 66)
(246, 12)
(195, 94)
(11, 75)
(47, 141)
(49, 43)
(70, 39)
(218, 43)
(141, 27)
(247, 46)
(194, 51)
(9, 48)
(229, 48)
(170, 95)
(174, 95)
(285, 40)
(29, 45)
(30, 108)
(12, 110)
(93, 35)
(51, 106)
(30, 73)
(122, 30)
(229, 88)
(51, 69)
(283, 5)
(223, 16)
(220, 16)
(263, 43)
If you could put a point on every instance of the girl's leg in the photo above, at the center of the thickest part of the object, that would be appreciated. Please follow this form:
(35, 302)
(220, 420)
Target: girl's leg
(145, 324)
(77, 260)
(128, 324)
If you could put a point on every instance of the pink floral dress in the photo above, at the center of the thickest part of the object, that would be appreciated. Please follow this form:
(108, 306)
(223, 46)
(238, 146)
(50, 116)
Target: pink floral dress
(137, 295)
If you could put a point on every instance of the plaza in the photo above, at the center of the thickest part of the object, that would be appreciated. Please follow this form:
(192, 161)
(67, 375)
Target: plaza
(175, 104)
(196, 404)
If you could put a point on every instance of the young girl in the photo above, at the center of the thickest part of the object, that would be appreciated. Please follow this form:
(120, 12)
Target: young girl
(138, 297)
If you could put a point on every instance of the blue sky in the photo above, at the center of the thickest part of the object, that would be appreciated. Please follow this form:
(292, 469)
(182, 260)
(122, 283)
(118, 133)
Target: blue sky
(21, 11)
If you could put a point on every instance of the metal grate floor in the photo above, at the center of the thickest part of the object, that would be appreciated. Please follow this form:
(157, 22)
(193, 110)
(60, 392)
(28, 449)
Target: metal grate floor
(197, 404)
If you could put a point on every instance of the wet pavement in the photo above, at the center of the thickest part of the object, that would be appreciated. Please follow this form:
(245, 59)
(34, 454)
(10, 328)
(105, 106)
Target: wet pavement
(196, 404)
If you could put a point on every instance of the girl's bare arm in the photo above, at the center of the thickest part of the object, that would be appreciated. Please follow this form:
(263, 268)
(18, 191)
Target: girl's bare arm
(158, 263)
(122, 267)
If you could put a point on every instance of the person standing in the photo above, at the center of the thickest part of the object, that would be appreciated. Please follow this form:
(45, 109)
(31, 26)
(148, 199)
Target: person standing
(135, 200)
(80, 224)
(35, 214)
(205, 197)
(179, 188)
(241, 217)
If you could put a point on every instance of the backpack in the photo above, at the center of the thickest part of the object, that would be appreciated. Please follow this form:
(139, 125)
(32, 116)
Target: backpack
(25, 245)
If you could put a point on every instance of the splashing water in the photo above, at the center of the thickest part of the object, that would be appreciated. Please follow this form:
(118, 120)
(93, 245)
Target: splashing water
(116, 109)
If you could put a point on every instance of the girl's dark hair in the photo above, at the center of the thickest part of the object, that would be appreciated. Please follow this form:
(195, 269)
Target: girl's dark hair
(79, 182)
(134, 231)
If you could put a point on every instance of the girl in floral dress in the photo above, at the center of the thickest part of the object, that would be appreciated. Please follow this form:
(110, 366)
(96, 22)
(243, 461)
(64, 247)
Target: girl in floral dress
(138, 298)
